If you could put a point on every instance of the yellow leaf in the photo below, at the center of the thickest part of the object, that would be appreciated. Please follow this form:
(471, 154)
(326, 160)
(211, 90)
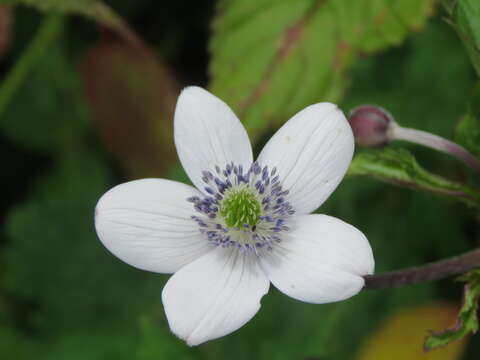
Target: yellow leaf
(402, 334)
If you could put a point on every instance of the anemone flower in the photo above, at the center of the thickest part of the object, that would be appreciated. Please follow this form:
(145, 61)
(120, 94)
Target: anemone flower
(245, 224)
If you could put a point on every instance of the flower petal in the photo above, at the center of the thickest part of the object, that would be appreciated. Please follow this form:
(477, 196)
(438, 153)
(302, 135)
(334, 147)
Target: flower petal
(311, 152)
(214, 295)
(323, 260)
(147, 224)
(208, 133)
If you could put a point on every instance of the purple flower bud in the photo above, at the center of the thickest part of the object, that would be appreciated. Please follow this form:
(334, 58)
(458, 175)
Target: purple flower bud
(371, 125)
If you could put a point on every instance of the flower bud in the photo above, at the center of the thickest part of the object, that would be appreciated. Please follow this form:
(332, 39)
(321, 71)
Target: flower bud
(371, 125)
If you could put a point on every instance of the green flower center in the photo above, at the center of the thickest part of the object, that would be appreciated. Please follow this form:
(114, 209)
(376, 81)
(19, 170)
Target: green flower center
(240, 207)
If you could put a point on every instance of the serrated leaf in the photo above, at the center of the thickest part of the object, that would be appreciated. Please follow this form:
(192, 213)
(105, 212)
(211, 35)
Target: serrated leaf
(399, 167)
(272, 58)
(467, 320)
(464, 15)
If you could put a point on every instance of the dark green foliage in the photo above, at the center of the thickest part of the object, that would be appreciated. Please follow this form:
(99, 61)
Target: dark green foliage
(63, 296)
(465, 18)
(467, 131)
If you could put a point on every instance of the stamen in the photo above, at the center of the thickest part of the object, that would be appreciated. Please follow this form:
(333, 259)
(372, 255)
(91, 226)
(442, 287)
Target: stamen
(244, 209)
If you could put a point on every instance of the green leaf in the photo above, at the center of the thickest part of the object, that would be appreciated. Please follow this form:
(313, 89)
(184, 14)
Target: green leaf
(467, 131)
(36, 49)
(94, 9)
(398, 166)
(272, 58)
(57, 112)
(83, 7)
(464, 15)
(59, 5)
(91, 8)
(467, 321)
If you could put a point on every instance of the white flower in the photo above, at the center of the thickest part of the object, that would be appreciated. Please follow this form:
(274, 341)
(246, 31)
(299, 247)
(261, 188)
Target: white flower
(246, 223)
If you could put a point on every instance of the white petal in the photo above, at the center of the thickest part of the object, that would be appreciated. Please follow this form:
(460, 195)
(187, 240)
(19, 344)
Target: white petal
(323, 260)
(147, 223)
(208, 133)
(311, 152)
(214, 295)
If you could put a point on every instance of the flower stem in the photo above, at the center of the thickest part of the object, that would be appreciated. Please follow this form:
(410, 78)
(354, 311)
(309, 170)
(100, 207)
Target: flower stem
(432, 271)
(435, 142)
(44, 37)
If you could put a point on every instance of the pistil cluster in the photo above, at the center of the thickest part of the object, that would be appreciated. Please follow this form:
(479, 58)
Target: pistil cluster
(244, 208)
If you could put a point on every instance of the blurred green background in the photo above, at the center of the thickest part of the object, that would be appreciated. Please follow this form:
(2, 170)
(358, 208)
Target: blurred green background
(86, 104)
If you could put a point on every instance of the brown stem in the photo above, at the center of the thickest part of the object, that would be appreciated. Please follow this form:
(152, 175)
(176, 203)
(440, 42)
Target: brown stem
(428, 272)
